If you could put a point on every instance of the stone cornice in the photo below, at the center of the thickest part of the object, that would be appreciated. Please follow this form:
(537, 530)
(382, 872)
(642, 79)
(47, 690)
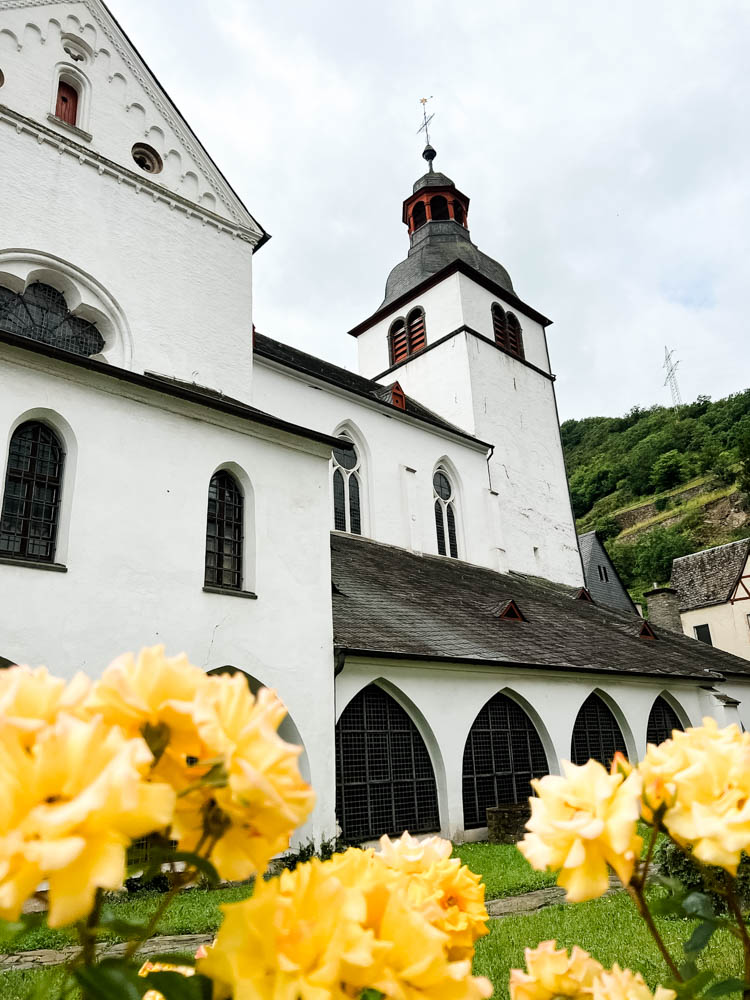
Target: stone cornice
(137, 67)
(87, 157)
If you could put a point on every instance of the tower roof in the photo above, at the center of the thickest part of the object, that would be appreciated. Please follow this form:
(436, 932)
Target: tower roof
(436, 215)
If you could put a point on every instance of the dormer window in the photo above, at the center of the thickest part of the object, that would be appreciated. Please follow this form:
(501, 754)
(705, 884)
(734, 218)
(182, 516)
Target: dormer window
(66, 108)
(407, 337)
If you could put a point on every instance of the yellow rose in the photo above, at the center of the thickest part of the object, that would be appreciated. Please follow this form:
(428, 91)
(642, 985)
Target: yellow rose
(69, 808)
(184, 970)
(263, 798)
(32, 699)
(702, 778)
(581, 823)
(553, 973)
(448, 893)
(622, 984)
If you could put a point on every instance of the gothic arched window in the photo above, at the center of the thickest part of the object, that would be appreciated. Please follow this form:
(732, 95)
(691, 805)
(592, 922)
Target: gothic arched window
(507, 331)
(499, 325)
(515, 340)
(398, 342)
(385, 782)
(224, 532)
(415, 325)
(596, 734)
(503, 753)
(33, 489)
(347, 486)
(418, 216)
(445, 514)
(439, 208)
(661, 721)
(41, 313)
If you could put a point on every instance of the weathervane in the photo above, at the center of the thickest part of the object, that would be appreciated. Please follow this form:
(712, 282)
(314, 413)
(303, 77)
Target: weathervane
(425, 126)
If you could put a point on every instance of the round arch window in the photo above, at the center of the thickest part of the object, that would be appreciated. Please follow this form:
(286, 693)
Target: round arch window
(147, 158)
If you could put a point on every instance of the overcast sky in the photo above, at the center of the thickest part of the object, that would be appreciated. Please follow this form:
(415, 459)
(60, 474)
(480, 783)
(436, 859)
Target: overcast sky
(604, 147)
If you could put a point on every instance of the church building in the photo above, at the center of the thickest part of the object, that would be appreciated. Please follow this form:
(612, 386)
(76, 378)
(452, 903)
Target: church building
(393, 551)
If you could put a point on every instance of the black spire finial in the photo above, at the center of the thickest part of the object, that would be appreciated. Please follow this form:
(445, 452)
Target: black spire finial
(429, 153)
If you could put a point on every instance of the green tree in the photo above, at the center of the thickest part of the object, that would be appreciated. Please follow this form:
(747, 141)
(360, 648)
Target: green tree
(656, 550)
(667, 470)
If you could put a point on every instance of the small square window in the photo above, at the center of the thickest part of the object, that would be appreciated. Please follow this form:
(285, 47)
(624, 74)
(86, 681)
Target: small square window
(703, 633)
(603, 575)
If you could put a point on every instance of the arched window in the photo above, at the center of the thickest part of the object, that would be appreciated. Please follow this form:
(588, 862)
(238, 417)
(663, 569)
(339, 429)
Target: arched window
(596, 734)
(507, 331)
(416, 329)
(66, 108)
(661, 721)
(384, 777)
(515, 340)
(503, 753)
(224, 532)
(445, 514)
(41, 313)
(458, 213)
(33, 488)
(398, 341)
(347, 505)
(439, 208)
(418, 215)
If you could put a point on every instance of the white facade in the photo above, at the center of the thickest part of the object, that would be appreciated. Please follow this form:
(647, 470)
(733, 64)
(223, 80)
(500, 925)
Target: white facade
(729, 623)
(161, 263)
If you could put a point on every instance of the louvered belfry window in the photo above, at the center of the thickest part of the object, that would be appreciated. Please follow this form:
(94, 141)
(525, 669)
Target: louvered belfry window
(416, 329)
(41, 313)
(503, 753)
(445, 514)
(399, 342)
(66, 108)
(661, 721)
(507, 331)
(33, 487)
(347, 506)
(224, 532)
(385, 782)
(596, 734)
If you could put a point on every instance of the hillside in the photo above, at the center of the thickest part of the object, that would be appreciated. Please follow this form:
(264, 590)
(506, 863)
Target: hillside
(660, 483)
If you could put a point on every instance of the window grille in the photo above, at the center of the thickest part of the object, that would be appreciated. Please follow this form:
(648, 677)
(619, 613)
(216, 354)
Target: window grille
(662, 720)
(596, 734)
(384, 777)
(224, 532)
(507, 331)
(399, 343)
(347, 506)
(33, 485)
(416, 325)
(41, 313)
(445, 515)
(503, 753)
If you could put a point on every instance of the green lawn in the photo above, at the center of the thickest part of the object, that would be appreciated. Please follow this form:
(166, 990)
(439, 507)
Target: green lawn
(193, 912)
(608, 928)
(505, 871)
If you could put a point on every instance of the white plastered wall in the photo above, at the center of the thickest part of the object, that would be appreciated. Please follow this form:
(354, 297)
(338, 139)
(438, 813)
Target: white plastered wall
(729, 623)
(552, 700)
(399, 458)
(134, 521)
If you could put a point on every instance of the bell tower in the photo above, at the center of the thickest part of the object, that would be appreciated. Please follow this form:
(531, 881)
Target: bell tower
(453, 332)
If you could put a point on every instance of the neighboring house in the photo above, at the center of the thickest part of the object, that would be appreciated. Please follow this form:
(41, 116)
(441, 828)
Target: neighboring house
(602, 579)
(713, 595)
(393, 551)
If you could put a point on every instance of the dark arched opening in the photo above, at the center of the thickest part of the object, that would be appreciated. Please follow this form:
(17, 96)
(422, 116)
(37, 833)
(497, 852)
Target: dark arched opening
(385, 782)
(418, 215)
(503, 753)
(439, 208)
(596, 734)
(661, 721)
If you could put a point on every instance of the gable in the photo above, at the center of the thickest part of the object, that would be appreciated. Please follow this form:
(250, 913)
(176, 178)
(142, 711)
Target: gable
(122, 105)
(602, 579)
(710, 576)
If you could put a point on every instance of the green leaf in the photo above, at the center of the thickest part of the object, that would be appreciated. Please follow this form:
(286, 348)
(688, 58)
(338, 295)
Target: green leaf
(370, 994)
(699, 938)
(26, 923)
(112, 978)
(175, 986)
(698, 904)
(724, 988)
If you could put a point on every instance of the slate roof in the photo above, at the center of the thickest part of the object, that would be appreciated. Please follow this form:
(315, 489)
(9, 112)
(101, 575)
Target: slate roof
(308, 364)
(611, 593)
(434, 246)
(392, 603)
(709, 577)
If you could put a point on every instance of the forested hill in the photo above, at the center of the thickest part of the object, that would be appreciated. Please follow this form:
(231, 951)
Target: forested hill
(659, 483)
